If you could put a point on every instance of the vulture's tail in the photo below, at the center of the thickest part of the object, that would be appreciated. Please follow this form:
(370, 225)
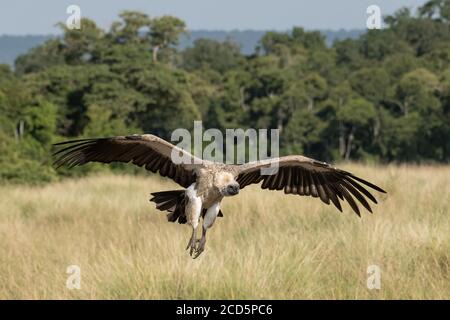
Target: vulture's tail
(173, 201)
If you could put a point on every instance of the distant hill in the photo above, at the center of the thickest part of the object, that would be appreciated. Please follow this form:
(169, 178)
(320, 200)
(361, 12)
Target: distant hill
(13, 46)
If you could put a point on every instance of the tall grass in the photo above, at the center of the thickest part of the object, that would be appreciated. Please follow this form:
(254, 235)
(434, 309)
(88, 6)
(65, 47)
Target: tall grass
(268, 245)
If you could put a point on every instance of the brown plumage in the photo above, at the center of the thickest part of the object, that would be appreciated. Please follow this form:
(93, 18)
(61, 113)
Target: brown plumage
(207, 183)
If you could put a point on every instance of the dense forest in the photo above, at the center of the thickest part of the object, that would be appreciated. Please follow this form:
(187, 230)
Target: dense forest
(382, 97)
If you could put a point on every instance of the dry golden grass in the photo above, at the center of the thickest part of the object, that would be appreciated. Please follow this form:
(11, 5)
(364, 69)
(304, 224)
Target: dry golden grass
(268, 245)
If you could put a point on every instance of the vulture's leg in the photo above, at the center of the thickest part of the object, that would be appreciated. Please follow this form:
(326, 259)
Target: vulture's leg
(192, 241)
(208, 221)
(193, 210)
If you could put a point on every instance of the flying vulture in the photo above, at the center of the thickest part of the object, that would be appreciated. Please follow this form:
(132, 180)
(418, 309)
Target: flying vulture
(205, 183)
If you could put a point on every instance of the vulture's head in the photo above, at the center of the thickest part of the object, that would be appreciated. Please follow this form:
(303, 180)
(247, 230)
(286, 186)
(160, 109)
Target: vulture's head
(226, 184)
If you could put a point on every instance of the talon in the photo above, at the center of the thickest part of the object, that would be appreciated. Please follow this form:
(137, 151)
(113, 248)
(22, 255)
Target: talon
(197, 254)
(200, 248)
(192, 250)
(189, 244)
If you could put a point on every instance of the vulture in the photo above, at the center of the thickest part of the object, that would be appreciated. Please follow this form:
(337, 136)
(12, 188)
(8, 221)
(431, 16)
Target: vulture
(206, 183)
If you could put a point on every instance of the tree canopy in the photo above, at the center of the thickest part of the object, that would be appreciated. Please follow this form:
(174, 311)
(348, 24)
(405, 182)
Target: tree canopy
(382, 97)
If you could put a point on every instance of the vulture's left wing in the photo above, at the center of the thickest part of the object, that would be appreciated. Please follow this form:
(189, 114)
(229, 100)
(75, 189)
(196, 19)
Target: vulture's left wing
(308, 177)
(142, 150)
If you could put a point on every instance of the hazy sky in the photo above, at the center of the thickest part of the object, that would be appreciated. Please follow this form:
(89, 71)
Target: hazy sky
(39, 17)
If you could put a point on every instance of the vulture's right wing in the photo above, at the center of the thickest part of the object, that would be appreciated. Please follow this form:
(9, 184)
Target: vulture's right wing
(142, 150)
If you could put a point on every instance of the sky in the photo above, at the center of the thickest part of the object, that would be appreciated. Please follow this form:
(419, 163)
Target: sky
(19, 17)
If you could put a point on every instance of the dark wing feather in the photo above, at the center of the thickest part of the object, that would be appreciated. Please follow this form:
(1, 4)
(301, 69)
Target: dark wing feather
(308, 177)
(142, 150)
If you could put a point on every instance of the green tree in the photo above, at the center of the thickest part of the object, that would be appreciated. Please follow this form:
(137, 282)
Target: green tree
(80, 45)
(215, 55)
(131, 28)
(40, 58)
(354, 118)
(168, 102)
(164, 32)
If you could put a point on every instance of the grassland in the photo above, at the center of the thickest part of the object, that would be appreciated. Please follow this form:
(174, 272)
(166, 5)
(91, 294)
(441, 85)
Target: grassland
(268, 245)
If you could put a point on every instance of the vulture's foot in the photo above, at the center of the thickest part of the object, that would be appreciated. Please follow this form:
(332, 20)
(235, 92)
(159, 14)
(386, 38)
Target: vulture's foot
(201, 244)
(191, 245)
(201, 247)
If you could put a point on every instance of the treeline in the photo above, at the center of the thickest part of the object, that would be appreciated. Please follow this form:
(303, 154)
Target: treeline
(382, 97)
(13, 45)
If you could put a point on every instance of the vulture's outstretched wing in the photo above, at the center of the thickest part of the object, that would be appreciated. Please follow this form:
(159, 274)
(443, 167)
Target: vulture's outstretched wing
(308, 177)
(142, 150)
